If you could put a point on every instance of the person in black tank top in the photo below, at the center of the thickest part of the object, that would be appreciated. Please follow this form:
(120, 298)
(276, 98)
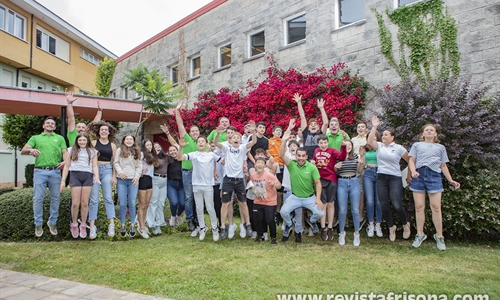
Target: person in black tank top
(104, 135)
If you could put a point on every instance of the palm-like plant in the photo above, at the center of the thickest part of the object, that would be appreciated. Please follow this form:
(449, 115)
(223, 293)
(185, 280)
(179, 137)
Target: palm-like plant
(157, 94)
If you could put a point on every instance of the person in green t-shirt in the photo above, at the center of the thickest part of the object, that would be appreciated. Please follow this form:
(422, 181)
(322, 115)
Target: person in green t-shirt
(224, 122)
(75, 128)
(48, 148)
(305, 184)
(335, 135)
(187, 166)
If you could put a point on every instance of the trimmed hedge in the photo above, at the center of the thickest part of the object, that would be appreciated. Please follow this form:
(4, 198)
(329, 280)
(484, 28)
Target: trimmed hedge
(469, 213)
(17, 222)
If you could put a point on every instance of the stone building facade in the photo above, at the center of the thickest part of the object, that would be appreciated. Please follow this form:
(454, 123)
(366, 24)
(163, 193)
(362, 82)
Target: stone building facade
(300, 33)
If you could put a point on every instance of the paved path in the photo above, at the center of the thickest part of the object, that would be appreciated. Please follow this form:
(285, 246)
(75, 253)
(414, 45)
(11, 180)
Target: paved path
(15, 285)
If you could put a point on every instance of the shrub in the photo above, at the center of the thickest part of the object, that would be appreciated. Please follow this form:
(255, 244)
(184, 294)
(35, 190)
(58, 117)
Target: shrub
(469, 119)
(16, 216)
(29, 171)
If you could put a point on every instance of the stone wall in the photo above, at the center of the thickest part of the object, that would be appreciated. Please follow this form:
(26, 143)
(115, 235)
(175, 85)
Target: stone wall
(358, 44)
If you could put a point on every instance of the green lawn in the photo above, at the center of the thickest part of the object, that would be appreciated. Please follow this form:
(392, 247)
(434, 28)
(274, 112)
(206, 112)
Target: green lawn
(181, 267)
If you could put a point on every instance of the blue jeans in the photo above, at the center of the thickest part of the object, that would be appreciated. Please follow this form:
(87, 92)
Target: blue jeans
(127, 193)
(105, 175)
(371, 195)
(176, 196)
(348, 188)
(293, 202)
(187, 181)
(298, 212)
(41, 180)
(393, 186)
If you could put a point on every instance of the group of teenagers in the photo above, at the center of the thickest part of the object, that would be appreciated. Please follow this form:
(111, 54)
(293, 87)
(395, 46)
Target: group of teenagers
(303, 177)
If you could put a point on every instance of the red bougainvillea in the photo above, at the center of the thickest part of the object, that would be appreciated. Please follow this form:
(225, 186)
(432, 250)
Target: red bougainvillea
(271, 100)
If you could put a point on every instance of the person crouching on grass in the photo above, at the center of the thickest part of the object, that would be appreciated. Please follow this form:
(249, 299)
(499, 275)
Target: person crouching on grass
(265, 186)
(81, 161)
(427, 161)
(204, 175)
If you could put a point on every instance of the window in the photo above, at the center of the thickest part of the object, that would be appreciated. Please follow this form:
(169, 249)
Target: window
(7, 77)
(125, 93)
(52, 44)
(45, 42)
(25, 82)
(174, 74)
(350, 11)
(41, 85)
(398, 3)
(54, 88)
(295, 29)
(89, 57)
(224, 56)
(256, 43)
(195, 67)
(112, 94)
(12, 22)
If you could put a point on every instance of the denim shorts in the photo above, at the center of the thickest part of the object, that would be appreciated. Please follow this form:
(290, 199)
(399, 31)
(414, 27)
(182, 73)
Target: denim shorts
(428, 181)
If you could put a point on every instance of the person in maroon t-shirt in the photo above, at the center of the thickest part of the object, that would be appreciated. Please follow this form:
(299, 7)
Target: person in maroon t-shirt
(325, 158)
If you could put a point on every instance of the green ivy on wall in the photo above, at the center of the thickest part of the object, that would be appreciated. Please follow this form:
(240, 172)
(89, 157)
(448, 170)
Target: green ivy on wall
(430, 36)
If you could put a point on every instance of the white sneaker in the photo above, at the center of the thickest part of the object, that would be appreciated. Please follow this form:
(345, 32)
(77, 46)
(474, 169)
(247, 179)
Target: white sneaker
(111, 230)
(370, 230)
(265, 236)
(143, 233)
(311, 233)
(179, 221)
(232, 230)
(93, 232)
(356, 241)
(378, 230)
(195, 232)
(203, 231)
(254, 235)
(243, 231)
(215, 233)
(342, 239)
(172, 221)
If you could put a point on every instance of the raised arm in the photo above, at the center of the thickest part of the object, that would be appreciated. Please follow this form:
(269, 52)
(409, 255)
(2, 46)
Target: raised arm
(171, 139)
(303, 121)
(98, 115)
(251, 143)
(284, 138)
(70, 113)
(178, 119)
(324, 117)
(370, 140)
(182, 143)
(216, 142)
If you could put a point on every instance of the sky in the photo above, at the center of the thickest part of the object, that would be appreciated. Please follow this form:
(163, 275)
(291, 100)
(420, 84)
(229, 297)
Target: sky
(120, 25)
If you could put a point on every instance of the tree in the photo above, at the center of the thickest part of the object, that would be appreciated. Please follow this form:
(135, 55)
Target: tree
(17, 129)
(157, 95)
(104, 76)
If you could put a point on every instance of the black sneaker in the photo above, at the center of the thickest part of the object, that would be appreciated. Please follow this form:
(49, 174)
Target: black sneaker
(123, 231)
(223, 234)
(191, 226)
(329, 233)
(259, 239)
(298, 237)
(313, 225)
(287, 230)
(324, 234)
(284, 239)
(273, 242)
(132, 230)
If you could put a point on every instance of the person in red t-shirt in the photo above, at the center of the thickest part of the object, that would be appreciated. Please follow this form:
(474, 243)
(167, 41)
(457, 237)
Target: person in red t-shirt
(265, 186)
(325, 158)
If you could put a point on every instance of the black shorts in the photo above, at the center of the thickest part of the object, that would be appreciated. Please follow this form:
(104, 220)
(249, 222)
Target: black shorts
(236, 185)
(280, 178)
(79, 178)
(328, 191)
(145, 183)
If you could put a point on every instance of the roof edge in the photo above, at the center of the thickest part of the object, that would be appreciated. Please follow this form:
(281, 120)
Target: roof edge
(172, 28)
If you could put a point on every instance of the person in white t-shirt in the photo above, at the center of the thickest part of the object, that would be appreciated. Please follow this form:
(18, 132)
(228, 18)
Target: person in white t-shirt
(234, 179)
(81, 161)
(204, 174)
